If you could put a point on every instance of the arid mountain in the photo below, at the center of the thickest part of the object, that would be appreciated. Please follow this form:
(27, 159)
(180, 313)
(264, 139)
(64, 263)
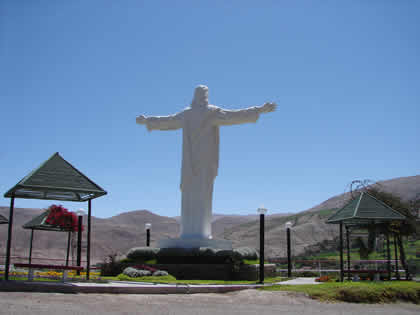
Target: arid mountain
(407, 188)
(120, 233)
(222, 222)
(112, 235)
(309, 227)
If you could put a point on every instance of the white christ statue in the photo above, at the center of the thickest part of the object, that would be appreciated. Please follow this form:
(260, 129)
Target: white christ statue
(200, 155)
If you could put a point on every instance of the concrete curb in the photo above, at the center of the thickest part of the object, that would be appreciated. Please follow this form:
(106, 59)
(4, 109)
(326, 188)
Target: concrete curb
(29, 286)
(117, 288)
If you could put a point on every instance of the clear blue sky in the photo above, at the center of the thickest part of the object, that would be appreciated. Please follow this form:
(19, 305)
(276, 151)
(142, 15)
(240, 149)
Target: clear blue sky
(346, 76)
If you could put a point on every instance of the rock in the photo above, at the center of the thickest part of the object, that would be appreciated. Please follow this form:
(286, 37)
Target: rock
(135, 273)
(160, 273)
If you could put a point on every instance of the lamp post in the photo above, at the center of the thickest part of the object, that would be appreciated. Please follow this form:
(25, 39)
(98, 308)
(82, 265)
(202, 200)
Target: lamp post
(262, 211)
(148, 226)
(289, 260)
(80, 214)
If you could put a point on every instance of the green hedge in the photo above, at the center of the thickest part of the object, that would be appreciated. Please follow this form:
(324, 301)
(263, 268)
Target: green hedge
(202, 255)
(142, 254)
(358, 292)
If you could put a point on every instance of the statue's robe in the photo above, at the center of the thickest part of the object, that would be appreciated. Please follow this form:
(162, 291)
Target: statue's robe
(200, 159)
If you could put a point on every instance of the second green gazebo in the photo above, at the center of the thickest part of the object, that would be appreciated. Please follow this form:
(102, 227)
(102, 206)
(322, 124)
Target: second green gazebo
(363, 211)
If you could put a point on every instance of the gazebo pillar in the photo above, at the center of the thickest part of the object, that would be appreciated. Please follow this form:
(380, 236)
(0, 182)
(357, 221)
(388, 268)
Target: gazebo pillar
(397, 273)
(68, 248)
(30, 246)
(388, 255)
(9, 238)
(88, 239)
(341, 253)
(348, 252)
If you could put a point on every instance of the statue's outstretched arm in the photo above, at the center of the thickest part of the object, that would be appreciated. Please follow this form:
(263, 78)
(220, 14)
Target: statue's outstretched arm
(267, 107)
(247, 115)
(170, 122)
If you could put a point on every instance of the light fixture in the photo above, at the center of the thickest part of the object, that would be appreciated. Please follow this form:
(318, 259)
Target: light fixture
(262, 210)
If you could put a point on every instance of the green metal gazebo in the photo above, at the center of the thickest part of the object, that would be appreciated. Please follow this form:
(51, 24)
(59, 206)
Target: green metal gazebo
(364, 211)
(55, 179)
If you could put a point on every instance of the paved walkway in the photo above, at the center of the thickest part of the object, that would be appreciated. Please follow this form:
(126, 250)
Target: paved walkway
(300, 281)
(128, 287)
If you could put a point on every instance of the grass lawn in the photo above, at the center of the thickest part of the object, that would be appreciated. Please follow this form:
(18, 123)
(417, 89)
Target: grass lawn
(172, 280)
(44, 279)
(25, 278)
(358, 292)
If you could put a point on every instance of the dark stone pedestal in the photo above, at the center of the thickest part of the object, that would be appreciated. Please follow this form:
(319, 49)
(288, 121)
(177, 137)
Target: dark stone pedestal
(216, 271)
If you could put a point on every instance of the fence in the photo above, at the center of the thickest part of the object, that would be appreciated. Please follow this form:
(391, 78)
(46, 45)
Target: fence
(324, 266)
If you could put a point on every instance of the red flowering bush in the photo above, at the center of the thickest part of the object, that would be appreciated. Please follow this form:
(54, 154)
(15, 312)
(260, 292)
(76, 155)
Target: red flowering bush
(60, 216)
(323, 279)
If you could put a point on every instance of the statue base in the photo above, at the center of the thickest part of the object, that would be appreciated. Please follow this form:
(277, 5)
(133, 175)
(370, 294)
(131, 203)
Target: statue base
(194, 243)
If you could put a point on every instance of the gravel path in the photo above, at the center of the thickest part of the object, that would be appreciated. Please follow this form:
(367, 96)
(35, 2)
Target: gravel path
(242, 302)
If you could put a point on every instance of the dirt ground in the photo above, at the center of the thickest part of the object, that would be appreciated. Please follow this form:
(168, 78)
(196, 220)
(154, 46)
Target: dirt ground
(242, 302)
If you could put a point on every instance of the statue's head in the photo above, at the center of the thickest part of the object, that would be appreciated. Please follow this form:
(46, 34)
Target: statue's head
(201, 96)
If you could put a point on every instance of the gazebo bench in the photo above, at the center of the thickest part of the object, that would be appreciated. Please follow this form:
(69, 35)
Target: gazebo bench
(370, 272)
(43, 266)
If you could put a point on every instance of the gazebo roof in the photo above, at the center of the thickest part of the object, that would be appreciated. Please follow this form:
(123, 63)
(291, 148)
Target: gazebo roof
(363, 210)
(38, 223)
(3, 220)
(56, 179)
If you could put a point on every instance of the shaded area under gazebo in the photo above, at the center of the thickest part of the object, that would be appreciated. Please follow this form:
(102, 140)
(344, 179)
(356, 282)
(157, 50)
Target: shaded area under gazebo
(55, 179)
(363, 212)
(39, 223)
(3, 220)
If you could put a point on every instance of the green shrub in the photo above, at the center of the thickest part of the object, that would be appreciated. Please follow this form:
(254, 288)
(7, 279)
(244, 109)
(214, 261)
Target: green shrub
(168, 278)
(359, 292)
(378, 294)
(247, 253)
(207, 252)
(111, 266)
(359, 295)
(203, 255)
(142, 254)
(127, 261)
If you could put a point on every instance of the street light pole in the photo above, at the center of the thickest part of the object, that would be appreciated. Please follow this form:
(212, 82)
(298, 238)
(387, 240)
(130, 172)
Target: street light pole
(148, 226)
(289, 260)
(262, 211)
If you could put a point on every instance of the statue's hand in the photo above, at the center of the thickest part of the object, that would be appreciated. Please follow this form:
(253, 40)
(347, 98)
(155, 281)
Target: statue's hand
(268, 107)
(141, 119)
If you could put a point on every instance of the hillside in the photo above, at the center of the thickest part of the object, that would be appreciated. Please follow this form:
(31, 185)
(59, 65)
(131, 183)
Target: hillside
(126, 230)
(112, 235)
(407, 188)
